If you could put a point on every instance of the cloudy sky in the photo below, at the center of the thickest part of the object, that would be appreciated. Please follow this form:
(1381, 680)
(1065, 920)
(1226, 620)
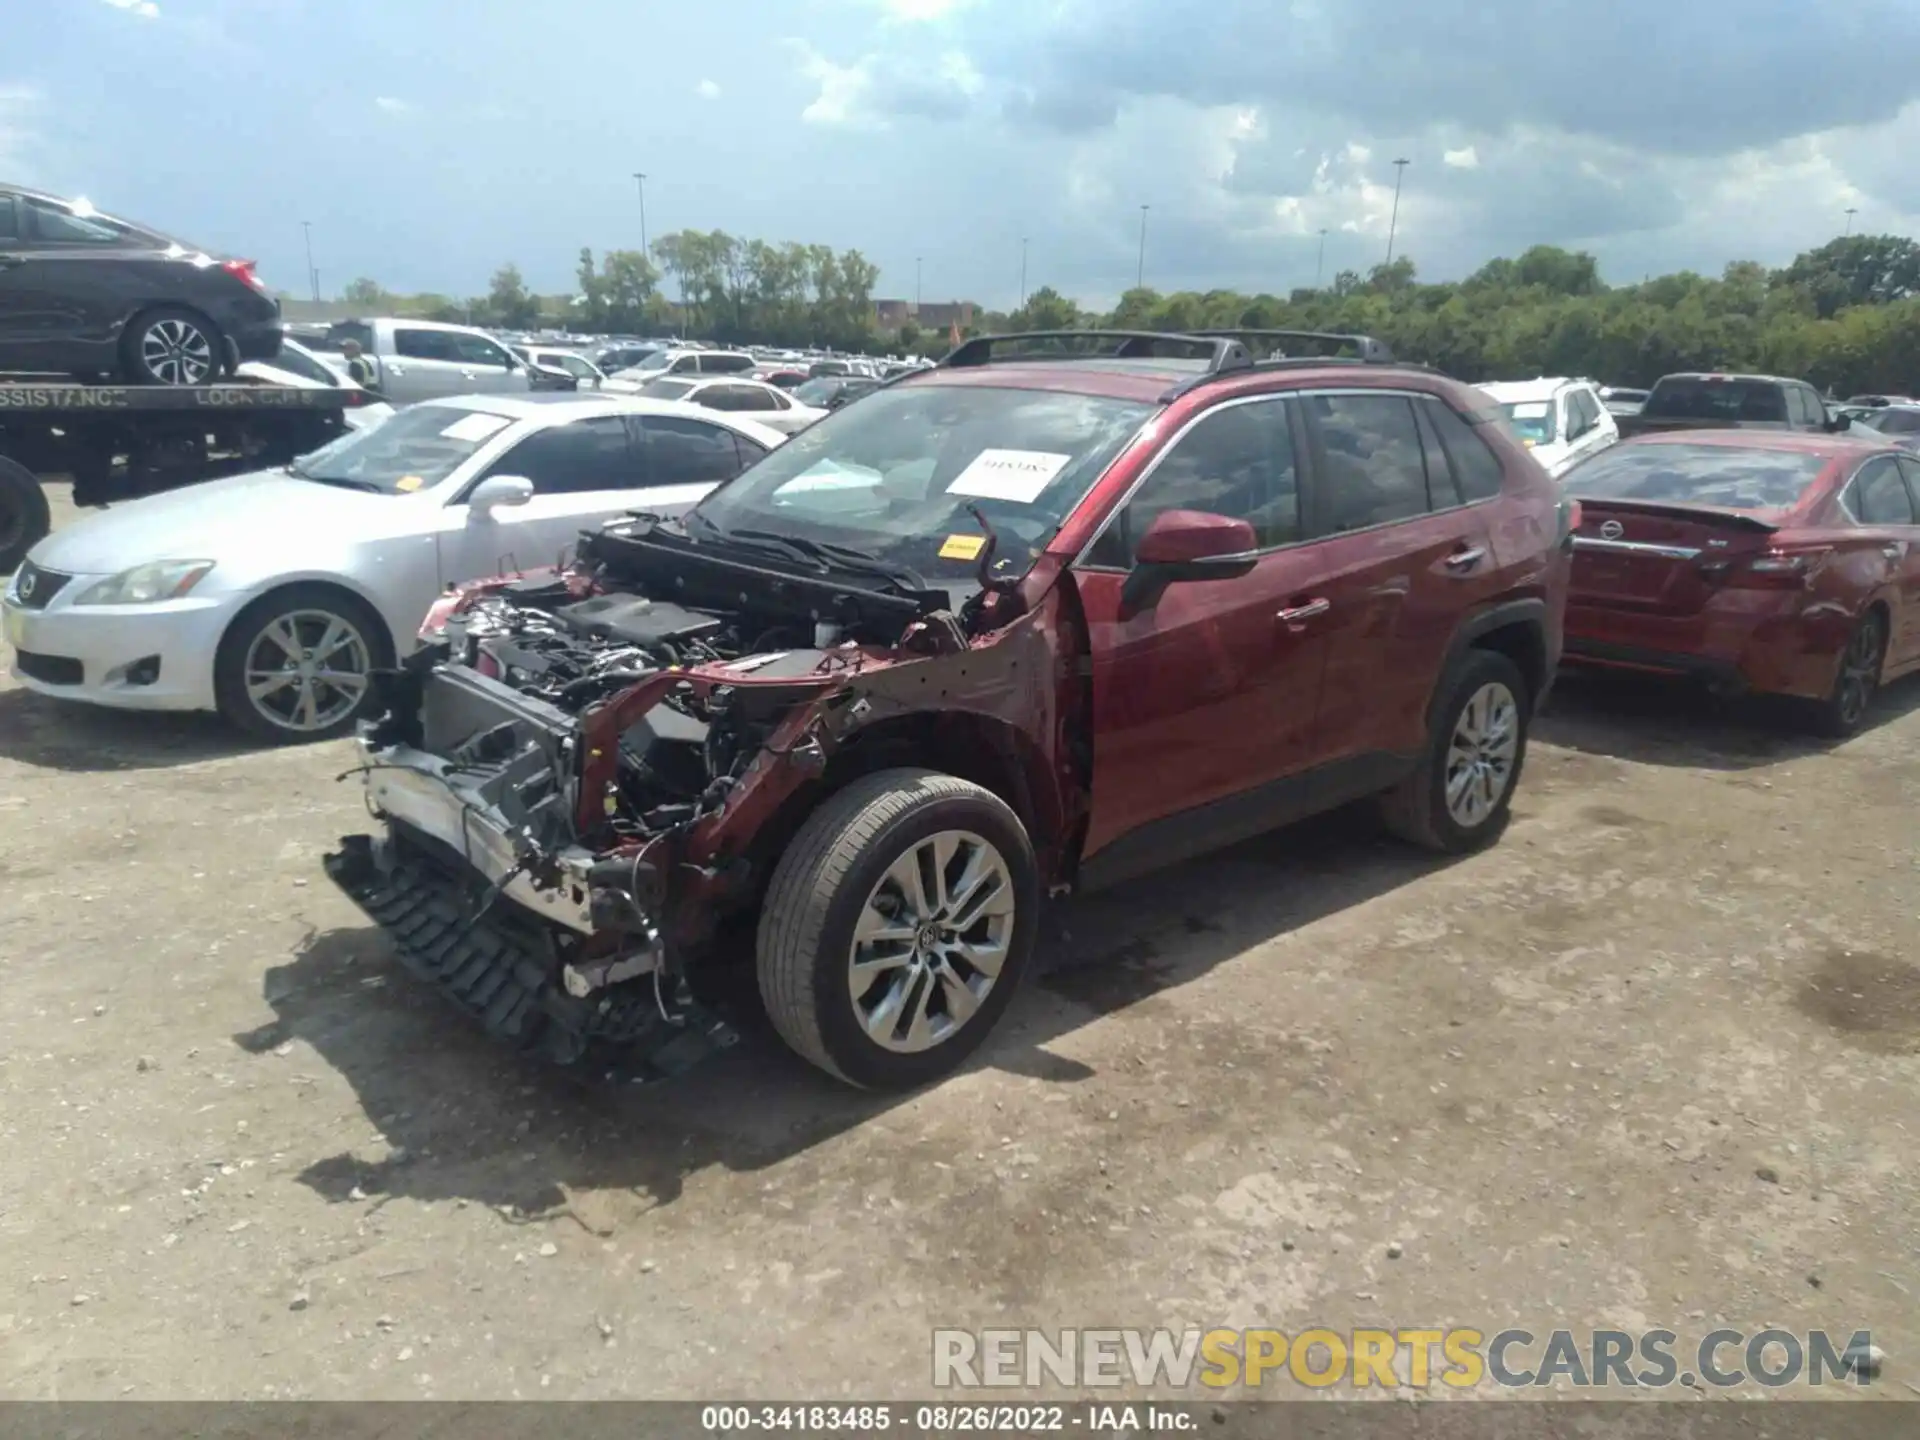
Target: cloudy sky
(429, 140)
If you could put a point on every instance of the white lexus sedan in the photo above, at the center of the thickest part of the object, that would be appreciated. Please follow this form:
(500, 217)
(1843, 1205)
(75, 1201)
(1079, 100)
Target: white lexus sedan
(270, 597)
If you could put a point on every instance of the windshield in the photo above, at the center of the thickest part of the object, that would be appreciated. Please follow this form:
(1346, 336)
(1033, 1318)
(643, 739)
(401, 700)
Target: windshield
(1732, 476)
(1531, 421)
(1699, 398)
(894, 475)
(668, 389)
(1893, 420)
(415, 450)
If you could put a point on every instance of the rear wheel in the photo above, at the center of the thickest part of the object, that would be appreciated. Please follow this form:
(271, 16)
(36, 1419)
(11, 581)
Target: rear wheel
(897, 927)
(24, 516)
(172, 346)
(1457, 799)
(1856, 680)
(297, 665)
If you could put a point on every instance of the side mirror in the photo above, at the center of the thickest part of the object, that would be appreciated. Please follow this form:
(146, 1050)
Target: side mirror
(1837, 423)
(498, 492)
(1186, 545)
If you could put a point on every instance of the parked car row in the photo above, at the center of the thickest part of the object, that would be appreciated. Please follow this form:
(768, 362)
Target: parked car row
(1025, 623)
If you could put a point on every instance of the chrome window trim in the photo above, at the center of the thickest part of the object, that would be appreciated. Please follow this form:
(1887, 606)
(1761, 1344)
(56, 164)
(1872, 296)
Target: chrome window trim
(1081, 562)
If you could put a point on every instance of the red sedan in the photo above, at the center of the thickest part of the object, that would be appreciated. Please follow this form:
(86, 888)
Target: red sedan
(1755, 560)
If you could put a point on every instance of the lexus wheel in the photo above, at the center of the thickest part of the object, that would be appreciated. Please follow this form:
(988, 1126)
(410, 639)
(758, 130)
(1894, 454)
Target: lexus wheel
(1856, 680)
(897, 927)
(297, 665)
(172, 346)
(1457, 799)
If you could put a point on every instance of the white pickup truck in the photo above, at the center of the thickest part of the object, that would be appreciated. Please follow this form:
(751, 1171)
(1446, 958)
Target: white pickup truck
(425, 360)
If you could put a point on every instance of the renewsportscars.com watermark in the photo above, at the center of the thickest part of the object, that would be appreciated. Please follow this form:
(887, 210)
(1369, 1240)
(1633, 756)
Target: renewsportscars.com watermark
(1458, 1358)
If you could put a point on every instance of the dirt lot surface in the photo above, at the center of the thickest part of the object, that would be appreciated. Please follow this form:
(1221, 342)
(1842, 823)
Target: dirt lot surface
(1649, 1061)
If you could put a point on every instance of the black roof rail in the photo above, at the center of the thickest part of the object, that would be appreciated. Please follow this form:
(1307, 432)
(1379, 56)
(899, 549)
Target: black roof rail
(1366, 349)
(1219, 351)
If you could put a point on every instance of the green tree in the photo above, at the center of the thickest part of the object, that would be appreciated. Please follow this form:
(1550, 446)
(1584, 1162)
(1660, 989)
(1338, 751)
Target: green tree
(366, 294)
(1046, 309)
(509, 303)
(1856, 270)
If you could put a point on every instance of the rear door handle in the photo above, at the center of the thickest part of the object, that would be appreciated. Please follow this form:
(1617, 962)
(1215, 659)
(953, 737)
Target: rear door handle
(1466, 559)
(1294, 614)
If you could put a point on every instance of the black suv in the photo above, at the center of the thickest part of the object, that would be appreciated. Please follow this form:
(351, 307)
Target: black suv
(84, 294)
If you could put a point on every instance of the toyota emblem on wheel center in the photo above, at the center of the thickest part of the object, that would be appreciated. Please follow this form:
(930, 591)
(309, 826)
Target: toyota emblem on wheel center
(1612, 530)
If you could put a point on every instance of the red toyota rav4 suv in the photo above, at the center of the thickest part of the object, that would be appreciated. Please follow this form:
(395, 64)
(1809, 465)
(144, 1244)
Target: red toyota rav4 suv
(1065, 608)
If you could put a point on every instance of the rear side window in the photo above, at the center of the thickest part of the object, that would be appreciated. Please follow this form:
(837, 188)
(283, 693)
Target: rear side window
(1878, 496)
(1476, 469)
(1797, 411)
(1372, 471)
(1910, 471)
(570, 459)
(1692, 397)
(726, 364)
(9, 220)
(752, 397)
(424, 344)
(56, 225)
(688, 452)
(1737, 477)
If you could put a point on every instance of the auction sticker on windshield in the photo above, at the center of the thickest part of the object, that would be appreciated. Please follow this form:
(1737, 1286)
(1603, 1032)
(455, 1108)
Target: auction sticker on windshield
(1018, 475)
(475, 427)
(963, 547)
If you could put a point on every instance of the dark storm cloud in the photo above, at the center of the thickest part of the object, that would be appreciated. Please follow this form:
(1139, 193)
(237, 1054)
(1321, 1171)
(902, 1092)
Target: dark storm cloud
(1696, 77)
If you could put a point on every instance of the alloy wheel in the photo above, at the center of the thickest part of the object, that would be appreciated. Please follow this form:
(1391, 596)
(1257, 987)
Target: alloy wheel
(307, 670)
(1481, 754)
(930, 941)
(1859, 673)
(177, 352)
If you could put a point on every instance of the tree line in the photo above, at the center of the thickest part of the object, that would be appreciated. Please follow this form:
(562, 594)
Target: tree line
(1845, 316)
(725, 288)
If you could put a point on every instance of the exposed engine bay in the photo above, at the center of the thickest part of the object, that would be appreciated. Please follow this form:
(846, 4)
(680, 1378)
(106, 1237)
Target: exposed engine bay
(545, 761)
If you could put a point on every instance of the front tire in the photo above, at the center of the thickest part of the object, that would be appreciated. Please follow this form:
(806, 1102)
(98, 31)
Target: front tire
(172, 346)
(25, 519)
(897, 927)
(1457, 799)
(297, 665)
(1856, 681)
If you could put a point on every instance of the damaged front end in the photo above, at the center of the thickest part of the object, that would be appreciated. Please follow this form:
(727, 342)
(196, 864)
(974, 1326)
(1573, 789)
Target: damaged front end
(572, 772)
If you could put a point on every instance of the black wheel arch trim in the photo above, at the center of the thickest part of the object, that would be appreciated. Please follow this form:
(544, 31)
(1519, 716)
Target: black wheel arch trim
(1529, 611)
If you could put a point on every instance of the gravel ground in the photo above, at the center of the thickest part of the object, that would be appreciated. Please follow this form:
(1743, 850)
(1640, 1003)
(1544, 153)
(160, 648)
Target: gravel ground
(1649, 1061)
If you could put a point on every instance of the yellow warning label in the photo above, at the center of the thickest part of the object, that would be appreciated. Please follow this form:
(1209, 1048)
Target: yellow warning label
(963, 547)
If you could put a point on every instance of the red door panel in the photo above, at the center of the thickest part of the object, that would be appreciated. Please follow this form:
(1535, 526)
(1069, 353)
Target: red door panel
(1396, 595)
(1207, 694)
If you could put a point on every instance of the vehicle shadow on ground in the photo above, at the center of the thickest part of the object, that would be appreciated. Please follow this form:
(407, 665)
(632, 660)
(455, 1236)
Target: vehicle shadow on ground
(469, 1121)
(1665, 722)
(61, 735)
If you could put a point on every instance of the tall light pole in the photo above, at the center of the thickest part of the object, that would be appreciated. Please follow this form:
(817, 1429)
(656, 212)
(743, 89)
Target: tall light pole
(1140, 266)
(1320, 265)
(1851, 212)
(640, 182)
(1399, 174)
(916, 286)
(313, 276)
(1023, 272)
